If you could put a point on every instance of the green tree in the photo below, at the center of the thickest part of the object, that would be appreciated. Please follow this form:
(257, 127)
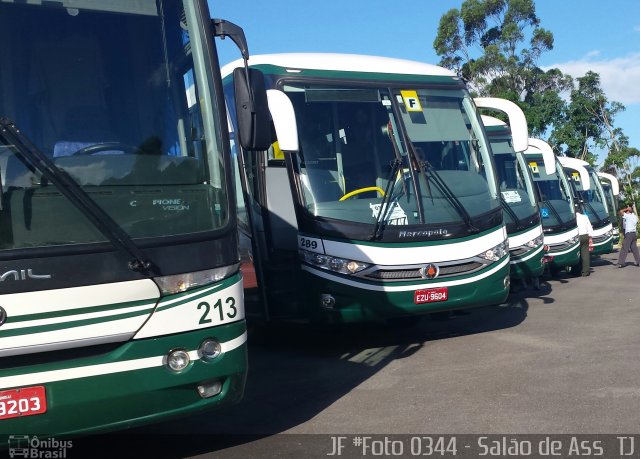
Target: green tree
(587, 122)
(495, 46)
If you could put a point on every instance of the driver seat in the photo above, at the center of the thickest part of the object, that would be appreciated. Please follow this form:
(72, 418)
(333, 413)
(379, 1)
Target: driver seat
(83, 127)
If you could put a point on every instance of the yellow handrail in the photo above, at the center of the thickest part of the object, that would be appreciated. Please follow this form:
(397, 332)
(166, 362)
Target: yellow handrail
(362, 190)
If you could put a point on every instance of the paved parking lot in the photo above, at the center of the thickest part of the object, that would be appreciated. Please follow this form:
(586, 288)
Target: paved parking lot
(563, 359)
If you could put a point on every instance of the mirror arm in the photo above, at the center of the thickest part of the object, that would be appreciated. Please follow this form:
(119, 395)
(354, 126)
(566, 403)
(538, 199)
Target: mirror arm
(223, 29)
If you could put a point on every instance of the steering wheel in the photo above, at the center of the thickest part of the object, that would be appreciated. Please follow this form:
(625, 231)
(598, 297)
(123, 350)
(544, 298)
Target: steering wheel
(106, 146)
(362, 190)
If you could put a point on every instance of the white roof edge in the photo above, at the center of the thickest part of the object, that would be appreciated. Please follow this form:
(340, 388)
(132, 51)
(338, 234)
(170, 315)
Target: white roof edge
(572, 162)
(615, 185)
(492, 121)
(343, 62)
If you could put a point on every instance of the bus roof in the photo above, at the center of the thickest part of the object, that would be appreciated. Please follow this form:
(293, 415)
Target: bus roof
(295, 62)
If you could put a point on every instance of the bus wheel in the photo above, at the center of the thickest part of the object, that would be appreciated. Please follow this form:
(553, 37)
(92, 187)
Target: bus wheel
(554, 271)
(576, 269)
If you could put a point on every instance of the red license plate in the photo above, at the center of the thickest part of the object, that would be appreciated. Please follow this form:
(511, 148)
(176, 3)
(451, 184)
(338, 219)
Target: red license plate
(25, 401)
(431, 295)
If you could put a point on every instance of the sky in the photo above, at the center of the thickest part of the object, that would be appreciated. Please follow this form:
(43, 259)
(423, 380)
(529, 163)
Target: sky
(598, 35)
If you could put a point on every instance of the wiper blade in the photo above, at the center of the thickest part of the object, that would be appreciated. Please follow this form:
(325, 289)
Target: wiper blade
(554, 211)
(449, 195)
(396, 164)
(510, 211)
(75, 194)
(386, 199)
(593, 211)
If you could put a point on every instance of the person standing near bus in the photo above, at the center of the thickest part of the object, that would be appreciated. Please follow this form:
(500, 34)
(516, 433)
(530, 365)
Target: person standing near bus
(585, 231)
(629, 224)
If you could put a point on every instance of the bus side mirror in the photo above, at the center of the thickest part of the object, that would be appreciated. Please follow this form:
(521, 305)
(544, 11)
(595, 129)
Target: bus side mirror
(252, 109)
(284, 120)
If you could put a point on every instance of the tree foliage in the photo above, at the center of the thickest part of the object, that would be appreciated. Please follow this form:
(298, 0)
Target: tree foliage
(495, 46)
(587, 122)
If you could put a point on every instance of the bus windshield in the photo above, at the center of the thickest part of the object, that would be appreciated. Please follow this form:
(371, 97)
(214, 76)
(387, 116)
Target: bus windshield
(556, 199)
(595, 205)
(611, 201)
(514, 179)
(360, 144)
(117, 95)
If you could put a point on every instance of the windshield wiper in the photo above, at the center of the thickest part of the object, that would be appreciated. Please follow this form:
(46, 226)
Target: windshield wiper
(396, 164)
(593, 211)
(386, 199)
(449, 195)
(511, 212)
(75, 194)
(554, 211)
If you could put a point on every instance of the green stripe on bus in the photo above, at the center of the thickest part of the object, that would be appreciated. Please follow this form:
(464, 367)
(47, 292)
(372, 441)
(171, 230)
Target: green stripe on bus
(270, 69)
(89, 310)
(72, 324)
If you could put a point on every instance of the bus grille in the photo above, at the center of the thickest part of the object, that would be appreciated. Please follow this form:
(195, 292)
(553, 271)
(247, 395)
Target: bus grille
(413, 273)
(519, 251)
(600, 238)
(559, 247)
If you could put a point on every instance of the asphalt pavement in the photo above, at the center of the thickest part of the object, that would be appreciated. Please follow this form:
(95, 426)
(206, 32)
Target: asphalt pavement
(559, 360)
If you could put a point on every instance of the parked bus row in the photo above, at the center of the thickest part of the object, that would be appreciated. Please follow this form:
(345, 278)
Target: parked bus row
(133, 227)
(384, 194)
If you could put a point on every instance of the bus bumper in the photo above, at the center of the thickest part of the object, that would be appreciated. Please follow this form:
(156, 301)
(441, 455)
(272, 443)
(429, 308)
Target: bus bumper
(528, 266)
(360, 302)
(568, 258)
(130, 385)
(603, 247)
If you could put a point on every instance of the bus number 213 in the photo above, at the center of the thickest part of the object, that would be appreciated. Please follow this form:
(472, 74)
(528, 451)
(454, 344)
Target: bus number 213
(230, 308)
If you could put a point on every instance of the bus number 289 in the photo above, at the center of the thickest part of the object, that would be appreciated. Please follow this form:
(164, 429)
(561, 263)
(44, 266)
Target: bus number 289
(308, 243)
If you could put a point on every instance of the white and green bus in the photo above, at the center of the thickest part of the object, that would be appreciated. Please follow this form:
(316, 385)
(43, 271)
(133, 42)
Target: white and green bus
(593, 200)
(611, 188)
(557, 207)
(121, 300)
(378, 198)
(519, 201)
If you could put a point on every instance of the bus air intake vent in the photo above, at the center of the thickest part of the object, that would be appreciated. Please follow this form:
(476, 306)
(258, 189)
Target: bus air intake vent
(412, 273)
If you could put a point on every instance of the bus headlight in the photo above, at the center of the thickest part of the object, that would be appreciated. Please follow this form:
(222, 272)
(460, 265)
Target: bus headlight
(177, 283)
(495, 253)
(573, 239)
(177, 360)
(209, 349)
(335, 264)
(533, 243)
(609, 233)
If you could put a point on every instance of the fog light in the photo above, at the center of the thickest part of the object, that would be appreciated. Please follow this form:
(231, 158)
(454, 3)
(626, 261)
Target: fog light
(177, 360)
(210, 389)
(507, 282)
(327, 301)
(209, 349)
